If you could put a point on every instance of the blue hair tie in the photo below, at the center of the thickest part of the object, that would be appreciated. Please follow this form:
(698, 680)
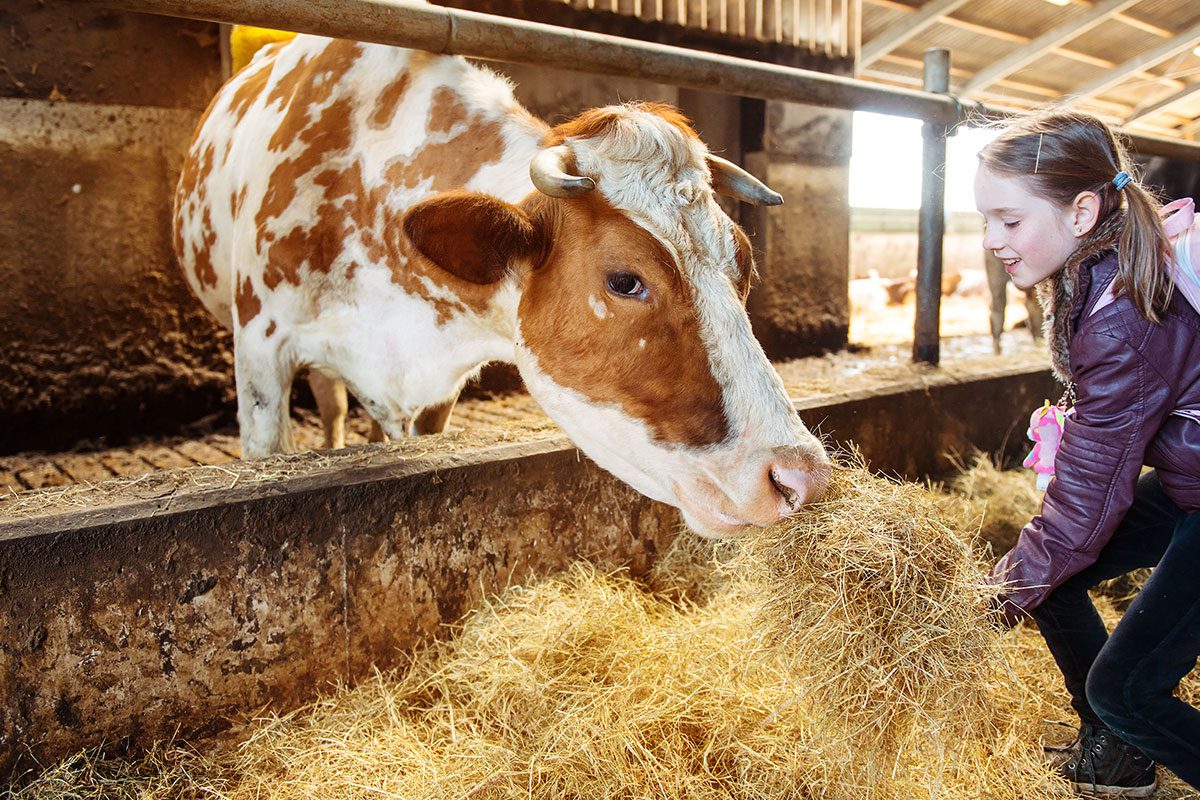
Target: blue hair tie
(1122, 180)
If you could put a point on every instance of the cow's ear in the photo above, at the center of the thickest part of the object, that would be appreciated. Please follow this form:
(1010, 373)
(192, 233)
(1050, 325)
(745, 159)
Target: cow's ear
(474, 236)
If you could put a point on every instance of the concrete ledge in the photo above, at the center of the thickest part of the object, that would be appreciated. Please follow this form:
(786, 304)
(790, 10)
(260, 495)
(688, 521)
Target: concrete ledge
(132, 620)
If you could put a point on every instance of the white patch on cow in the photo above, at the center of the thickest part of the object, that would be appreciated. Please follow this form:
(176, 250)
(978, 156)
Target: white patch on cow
(642, 343)
(598, 307)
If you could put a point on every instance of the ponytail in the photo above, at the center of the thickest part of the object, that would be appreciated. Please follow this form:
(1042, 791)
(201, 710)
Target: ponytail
(1141, 255)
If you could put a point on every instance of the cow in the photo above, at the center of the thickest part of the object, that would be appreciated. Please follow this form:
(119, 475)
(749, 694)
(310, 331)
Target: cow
(393, 220)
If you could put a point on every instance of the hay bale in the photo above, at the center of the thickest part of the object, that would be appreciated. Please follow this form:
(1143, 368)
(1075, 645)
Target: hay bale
(878, 591)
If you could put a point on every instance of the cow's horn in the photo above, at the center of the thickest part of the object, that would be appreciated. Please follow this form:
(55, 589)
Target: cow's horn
(730, 179)
(549, 173)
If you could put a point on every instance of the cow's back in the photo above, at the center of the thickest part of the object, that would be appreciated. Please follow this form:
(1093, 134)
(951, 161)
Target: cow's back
(307, 158)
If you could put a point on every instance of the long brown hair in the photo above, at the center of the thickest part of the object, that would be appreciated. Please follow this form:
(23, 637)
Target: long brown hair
(1063, 153)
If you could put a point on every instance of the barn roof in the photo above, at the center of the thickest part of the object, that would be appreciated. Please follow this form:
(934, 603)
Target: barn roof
(1135, 63)
(1132, 62)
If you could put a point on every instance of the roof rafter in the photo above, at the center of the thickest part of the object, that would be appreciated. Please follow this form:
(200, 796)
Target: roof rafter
(1044, 43)
(1008, 36)
(1135, 65)
(1158, 105)
(905, 29)
(1128, 19)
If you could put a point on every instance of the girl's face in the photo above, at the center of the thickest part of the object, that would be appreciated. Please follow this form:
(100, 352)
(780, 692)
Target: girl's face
(1032, 236)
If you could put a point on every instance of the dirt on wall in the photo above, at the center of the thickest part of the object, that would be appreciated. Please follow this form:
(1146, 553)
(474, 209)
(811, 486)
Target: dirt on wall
(101, 336)
(83, 54)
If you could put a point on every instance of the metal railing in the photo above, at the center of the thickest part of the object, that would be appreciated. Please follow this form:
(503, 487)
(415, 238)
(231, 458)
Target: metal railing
(468, 33)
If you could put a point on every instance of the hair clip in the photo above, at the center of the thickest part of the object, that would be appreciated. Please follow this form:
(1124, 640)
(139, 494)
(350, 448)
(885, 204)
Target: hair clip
(1121, 180)
(1038, 161)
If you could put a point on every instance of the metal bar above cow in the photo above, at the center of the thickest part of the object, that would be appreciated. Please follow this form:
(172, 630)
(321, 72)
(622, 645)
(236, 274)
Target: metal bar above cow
(468, 33)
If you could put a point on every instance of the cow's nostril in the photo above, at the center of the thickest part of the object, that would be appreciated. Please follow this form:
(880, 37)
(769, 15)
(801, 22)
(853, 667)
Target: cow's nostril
(800, 486)
(792, 484)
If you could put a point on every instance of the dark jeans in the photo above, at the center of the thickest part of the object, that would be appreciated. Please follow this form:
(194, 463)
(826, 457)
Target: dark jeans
(1126, 681)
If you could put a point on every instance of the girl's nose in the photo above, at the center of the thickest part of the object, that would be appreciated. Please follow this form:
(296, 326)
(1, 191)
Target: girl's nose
(991, 241)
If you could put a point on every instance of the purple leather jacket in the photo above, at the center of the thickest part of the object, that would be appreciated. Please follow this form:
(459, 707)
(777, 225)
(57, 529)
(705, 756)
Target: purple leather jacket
(1132, 378)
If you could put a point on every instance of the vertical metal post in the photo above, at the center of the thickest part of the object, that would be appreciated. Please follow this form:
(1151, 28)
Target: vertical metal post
(931, 225)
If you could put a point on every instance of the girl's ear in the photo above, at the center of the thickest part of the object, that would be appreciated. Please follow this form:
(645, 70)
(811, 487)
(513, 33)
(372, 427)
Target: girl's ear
(1084, 213)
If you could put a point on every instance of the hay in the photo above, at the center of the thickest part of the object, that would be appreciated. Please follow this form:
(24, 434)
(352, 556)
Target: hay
(878, 591)
(1005, 501)
(844, 655)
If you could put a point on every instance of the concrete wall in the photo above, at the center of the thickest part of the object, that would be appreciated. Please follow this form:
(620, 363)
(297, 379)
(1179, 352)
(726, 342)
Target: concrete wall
(801, 305)
(101, 336)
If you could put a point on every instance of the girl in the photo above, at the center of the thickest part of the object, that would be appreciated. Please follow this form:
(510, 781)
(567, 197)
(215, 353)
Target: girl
(1062, 212)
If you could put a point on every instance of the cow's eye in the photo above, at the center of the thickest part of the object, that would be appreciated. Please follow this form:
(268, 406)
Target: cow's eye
(626, 284)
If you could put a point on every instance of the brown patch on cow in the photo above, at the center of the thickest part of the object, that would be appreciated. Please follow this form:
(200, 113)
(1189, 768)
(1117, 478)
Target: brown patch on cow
(250, 87)
(452, 163)
(309, 86)
(446, 110)
(286, 86)
(236, 200)
(348, 209)
(328, 137)
(270, 329)
(599, 121)
(744, 259)
(206, 274)
(248, 304)
(668, 384)
(388, 101)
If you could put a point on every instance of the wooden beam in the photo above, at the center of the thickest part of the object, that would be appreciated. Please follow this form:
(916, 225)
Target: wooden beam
(905, 29)
(1016, 38)
(1159, 105)
(1056, 36)
(1138, 63)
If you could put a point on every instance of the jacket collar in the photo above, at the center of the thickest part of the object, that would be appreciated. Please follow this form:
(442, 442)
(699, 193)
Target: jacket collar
(1065, 293)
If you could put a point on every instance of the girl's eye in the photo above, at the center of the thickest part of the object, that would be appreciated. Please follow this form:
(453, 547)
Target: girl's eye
(626, 284)
(1011, 225)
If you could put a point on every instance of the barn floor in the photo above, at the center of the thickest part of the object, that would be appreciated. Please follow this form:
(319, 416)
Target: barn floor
(513, 417)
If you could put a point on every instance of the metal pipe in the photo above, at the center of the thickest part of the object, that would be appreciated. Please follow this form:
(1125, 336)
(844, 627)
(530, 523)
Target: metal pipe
(931, 224)
(468, 33)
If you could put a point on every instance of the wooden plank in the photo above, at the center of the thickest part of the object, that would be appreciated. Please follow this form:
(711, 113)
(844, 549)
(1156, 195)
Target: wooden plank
(163, 457)
(42, 475)
(231, 445)
(203, 453)
(9, 483)
(125, 463)
(83, 468)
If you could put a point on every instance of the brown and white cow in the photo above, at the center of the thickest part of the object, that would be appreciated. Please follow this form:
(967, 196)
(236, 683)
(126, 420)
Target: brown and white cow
(370, 213)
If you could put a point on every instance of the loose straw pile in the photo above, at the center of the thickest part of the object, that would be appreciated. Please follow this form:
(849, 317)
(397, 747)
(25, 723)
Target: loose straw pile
(1004, 499)
(844, 655)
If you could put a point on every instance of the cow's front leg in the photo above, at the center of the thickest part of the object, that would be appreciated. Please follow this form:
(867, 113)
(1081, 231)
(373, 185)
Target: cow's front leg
(264, 382)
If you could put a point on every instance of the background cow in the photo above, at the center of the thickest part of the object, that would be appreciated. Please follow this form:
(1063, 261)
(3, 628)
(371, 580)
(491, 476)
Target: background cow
(370, 213)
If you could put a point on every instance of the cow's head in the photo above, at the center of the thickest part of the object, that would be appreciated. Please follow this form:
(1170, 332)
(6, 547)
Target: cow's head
(631, 330)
